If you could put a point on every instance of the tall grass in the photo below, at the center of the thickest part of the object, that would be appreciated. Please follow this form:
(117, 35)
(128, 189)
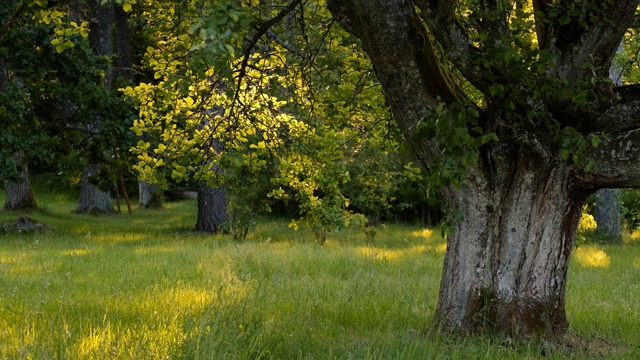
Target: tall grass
(144, 287)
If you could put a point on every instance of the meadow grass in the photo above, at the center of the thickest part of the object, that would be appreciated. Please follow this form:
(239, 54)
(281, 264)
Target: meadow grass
(143, 286)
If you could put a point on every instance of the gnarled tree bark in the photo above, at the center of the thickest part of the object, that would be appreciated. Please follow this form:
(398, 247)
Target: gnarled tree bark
(507, 259)
(93, 200)
(19, 194)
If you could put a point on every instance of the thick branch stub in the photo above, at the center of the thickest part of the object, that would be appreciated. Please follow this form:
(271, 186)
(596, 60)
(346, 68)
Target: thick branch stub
(616, 163)
(621, 116)
(584, 40)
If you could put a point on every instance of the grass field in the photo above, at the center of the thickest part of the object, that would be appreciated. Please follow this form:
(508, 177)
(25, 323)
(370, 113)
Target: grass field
(144, 287)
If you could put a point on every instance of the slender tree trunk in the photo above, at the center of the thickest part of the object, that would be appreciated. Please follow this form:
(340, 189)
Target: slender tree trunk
(19, 192)
(507, 259)
(212, 209)
(150, 195)
(93, 200)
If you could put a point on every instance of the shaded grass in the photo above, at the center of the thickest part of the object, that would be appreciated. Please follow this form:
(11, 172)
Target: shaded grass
(142, 286)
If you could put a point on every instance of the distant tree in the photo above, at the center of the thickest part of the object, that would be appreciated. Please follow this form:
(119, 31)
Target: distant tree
(607, 216)
(212, 209)
(37, 76)
(94, 200)
(19, 194)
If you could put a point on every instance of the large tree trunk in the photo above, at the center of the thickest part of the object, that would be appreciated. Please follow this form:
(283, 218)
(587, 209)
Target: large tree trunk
(19, 194)
(150, 195)
(212, 209)
(516, 213)
(93, 200)
(507, 259)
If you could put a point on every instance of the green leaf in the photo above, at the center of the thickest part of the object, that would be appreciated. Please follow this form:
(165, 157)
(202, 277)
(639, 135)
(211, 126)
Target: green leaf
(496, 90)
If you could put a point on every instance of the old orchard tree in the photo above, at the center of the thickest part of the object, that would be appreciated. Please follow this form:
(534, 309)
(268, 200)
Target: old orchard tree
(509, 103)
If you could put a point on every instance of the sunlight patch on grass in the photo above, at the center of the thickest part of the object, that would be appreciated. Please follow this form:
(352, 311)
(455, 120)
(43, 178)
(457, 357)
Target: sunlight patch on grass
(117, 341)
(393, 254)
(442, 248)
(424, 233)
(159, 249)
(12, 259)
(77, 252)
(592, 256)
(381, 254)
(116, 237)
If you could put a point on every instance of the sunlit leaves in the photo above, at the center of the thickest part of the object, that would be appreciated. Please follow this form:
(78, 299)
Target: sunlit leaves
(283, 128)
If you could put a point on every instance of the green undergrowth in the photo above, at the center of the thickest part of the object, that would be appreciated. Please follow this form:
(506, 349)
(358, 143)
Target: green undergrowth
(143, 286)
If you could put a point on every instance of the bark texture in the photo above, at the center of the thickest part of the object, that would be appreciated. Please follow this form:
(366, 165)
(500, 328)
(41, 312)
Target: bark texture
(212, 209)
(150, 195)
(19, 194)
(607, 216)
(516, 215)
(93, 200)
(507, 260)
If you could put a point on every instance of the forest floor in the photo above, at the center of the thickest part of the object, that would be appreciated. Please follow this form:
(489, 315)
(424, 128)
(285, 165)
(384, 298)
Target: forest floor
(143, 286)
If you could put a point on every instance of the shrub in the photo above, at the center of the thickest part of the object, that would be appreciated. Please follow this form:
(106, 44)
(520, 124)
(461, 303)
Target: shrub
(630, 208)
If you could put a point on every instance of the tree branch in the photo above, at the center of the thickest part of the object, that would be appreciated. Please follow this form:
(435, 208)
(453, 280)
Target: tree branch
(622, 116)
(399, 46)
(616, 163)
(395, 38)
(447, 30)
(541, 12)
(583, 40)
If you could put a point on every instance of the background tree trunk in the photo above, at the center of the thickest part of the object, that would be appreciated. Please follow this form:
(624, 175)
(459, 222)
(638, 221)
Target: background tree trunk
(150, 196)
(19, 192)
(93, 200)
(123, 44)
(607, 212)
(607, 216)
(212, 209)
